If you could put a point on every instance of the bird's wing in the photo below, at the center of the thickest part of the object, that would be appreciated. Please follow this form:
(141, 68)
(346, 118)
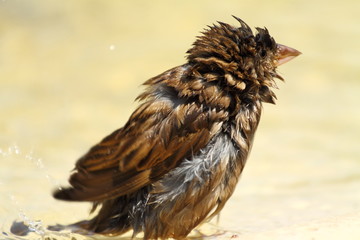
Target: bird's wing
(157, 137)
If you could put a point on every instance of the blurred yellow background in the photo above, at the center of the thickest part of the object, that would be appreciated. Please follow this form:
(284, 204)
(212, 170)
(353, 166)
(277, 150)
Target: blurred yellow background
(70, 71)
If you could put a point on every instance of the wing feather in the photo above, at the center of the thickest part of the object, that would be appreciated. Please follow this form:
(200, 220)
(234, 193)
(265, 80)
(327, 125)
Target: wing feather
(158, 136)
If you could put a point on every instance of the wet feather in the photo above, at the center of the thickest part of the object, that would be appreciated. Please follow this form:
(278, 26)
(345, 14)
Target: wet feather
(177, 160)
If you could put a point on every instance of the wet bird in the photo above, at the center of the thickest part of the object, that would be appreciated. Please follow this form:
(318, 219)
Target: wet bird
(177, 160)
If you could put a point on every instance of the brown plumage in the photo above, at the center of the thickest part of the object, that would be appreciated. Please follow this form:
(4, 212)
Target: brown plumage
(177, 160)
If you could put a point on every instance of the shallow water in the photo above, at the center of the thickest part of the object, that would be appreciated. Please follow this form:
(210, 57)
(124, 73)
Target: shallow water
(69, 73)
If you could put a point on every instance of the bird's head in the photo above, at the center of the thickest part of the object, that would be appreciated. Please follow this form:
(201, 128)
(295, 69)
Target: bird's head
(241, 60)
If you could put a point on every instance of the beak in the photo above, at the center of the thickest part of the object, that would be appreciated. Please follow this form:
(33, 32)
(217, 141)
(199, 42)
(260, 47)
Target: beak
(285, 54)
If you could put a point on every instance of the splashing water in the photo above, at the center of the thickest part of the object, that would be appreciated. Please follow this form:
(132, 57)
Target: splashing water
(18, 223)
(39, 163)
(33, 225)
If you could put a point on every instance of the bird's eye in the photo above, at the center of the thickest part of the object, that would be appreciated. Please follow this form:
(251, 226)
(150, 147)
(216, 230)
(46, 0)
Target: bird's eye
(263, 53)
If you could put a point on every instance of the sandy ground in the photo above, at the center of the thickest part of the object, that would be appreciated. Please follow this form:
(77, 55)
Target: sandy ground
(69, 72)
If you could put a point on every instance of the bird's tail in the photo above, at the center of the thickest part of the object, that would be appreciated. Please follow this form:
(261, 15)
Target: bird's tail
(111, 219)
(113, 216)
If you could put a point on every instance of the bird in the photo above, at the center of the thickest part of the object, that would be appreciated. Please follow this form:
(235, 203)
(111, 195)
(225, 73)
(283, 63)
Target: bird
(177, 160)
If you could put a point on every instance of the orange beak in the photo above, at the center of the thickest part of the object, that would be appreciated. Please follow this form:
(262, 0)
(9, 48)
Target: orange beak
(285, 54)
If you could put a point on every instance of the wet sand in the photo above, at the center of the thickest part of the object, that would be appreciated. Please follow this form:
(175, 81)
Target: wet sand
(70, 71)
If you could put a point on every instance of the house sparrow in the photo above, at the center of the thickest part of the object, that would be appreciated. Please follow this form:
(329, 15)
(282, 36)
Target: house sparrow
(177, 160)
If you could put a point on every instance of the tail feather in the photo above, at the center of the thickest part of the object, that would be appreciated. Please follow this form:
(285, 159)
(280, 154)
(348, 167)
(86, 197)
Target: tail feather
(112, 219)
(113, 216)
